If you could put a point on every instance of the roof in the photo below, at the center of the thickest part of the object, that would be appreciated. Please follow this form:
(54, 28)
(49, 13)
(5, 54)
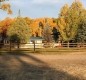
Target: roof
(36, 38)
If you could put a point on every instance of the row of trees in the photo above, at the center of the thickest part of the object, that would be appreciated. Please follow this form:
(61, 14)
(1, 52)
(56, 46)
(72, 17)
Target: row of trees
(70, 26)
(72, 22)
(22, 28)
(26, 27)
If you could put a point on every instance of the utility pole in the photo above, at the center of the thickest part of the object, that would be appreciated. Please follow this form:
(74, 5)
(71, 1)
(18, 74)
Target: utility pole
(19, 13)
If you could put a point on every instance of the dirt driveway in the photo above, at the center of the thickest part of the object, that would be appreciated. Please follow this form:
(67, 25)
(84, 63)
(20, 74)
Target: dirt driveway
(26, 66)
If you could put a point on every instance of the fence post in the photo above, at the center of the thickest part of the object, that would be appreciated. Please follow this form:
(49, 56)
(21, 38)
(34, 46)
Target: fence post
(18, 45)
(10, 45)
(68, 44)
(34, 44)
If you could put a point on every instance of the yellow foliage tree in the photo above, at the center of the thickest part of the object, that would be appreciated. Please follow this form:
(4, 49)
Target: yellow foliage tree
(5, 7)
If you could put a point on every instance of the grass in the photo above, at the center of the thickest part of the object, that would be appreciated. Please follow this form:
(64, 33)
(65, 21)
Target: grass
(17, 65)
(44, 50)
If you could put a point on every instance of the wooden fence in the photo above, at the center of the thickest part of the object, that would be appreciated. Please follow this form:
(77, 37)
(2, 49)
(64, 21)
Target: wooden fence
(42, 45)
(66, 45)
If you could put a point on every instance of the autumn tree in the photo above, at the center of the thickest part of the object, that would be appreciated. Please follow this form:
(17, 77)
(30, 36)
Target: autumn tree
(41, 27)
(47, 32)
(69, 19)
(19, 31)
(28, 20)
(36, 25)
(4, 24)
(3, 28)
(81, 33)
(62, 23)
(64, 10)
(6, 7)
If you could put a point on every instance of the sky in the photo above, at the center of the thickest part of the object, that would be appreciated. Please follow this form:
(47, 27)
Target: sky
(36, 8)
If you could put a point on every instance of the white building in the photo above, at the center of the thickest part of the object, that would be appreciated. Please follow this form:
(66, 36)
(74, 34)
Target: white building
(33, 40)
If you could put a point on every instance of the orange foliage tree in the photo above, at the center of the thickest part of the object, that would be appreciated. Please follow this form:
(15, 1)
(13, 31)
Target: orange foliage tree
(36, 27)
(5, 23)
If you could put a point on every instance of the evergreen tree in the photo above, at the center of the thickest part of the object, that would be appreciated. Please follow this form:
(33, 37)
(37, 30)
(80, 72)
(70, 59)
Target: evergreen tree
(55, 34)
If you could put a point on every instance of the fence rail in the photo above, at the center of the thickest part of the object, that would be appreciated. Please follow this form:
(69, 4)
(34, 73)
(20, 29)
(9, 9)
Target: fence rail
(11, 46)
(66, 45)
(44, 45)
(73, 44)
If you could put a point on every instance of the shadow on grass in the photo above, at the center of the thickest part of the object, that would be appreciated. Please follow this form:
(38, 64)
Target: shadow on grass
(21, 66)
